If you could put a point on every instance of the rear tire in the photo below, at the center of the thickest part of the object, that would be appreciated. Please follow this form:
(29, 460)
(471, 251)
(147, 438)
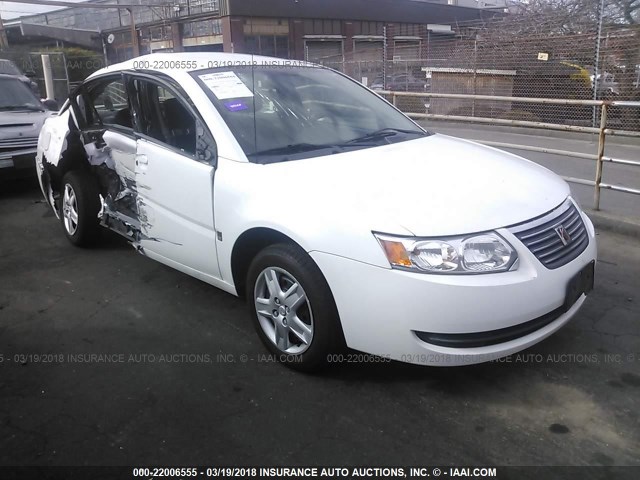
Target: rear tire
(79, 208)
(292, 308)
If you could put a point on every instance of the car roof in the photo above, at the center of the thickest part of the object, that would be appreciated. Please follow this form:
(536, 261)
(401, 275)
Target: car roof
(167, 62)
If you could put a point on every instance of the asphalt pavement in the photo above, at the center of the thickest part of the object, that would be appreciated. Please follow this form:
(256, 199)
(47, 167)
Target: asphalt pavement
(109, 358)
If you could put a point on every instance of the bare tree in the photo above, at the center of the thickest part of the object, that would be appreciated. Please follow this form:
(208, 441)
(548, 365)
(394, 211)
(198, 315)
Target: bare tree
(625, 12)
(619, 41)
(579, 12)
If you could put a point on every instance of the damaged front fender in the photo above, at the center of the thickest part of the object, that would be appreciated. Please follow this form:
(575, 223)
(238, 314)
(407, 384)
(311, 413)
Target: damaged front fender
(110, 158)
(52, 145)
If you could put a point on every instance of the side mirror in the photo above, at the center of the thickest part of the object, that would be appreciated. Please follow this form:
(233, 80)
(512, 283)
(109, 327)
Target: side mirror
(30, 74)
(206, 148)
(51, 104)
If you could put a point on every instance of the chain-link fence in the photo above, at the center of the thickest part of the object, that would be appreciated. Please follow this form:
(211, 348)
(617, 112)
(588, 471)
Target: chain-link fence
(515, 56)
(68, 70)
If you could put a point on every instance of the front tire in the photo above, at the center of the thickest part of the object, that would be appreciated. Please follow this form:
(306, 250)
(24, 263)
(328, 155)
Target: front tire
(79, 208)
(292, 307)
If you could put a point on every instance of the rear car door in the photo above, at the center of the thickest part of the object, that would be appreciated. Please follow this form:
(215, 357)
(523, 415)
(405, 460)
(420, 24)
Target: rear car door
(174, 172)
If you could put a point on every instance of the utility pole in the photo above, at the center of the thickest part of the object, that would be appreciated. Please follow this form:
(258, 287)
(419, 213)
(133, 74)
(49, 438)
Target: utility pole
(596, 70)
(4, 43)
(134, 34)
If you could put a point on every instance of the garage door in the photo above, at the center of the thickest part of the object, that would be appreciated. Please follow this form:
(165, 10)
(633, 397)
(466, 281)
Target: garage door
(368, 51)
(325, 52)
(406, 50)
(368, 57)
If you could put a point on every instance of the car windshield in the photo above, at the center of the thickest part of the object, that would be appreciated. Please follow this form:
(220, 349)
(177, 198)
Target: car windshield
(9, 68)
(14, 95)
(279, 113)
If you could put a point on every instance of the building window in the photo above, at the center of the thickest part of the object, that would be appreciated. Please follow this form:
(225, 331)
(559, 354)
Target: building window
(368, 28)
(322, 27)
(190, 7)
(202, 29)
(124, 53)
(269, 45)
(160, 33)
(409, 29)
(252, 44)
(265, 26)
(282, 46)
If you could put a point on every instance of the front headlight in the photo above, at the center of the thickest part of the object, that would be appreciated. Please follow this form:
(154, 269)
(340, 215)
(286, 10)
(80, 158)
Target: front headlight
(477, 253)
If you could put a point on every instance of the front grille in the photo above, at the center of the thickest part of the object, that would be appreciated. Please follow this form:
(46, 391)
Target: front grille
(543, 240)
(16, 143)
(7, 153)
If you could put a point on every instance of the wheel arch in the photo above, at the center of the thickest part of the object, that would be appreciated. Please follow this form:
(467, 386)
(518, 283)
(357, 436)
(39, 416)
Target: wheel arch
(254, 240)
(73, 158)
(247, 246)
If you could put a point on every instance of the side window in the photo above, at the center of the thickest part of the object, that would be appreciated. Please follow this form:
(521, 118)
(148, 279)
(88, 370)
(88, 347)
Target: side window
(165, 117)
(105, 103)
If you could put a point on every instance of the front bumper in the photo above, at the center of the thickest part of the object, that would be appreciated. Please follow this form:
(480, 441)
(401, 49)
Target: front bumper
(382, 309)
(18, 163)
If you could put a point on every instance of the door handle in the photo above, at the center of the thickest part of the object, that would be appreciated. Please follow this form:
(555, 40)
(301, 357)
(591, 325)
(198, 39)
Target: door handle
(142, 160)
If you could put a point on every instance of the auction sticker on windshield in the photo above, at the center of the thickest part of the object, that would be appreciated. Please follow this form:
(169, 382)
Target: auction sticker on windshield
(226, 85)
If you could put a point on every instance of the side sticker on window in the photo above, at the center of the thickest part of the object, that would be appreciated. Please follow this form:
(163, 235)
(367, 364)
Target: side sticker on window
(225, 85)
(235, 106)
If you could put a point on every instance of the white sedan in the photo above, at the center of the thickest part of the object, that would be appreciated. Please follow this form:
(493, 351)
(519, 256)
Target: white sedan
(341, 221)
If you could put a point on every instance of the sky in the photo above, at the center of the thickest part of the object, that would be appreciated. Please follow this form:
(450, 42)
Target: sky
(11, 10)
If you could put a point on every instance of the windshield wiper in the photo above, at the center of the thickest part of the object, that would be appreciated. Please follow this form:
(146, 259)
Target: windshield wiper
(294, 148)
(360, 142)
(384, 133)
(30, 108)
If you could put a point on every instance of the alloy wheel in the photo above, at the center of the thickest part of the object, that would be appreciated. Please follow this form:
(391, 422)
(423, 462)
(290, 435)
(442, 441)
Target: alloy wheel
(283, 310)
(70, 209)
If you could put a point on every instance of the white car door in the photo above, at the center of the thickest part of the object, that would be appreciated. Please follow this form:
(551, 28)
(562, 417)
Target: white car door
(174, 178)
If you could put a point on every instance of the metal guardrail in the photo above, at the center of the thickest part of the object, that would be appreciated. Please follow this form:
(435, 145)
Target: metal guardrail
(602, 132)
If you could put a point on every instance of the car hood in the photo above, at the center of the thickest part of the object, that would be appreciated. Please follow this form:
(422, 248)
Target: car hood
(21, 125)
(437, 185)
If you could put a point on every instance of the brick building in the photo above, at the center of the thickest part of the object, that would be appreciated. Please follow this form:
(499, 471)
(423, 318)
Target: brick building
(316, 30)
